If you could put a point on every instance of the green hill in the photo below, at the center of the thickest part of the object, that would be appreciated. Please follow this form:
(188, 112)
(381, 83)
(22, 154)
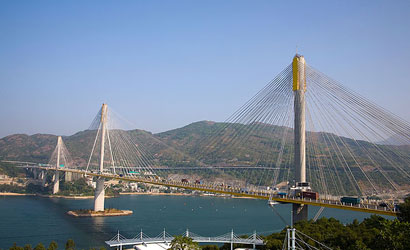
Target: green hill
(207, 143)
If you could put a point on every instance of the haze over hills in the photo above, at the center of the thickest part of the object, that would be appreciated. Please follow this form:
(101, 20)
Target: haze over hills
(208, 143)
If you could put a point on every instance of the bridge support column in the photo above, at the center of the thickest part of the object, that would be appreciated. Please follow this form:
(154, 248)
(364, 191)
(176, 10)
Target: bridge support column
(99, 187)
(99, 195)
(35, 173)
(56, 186)
(68, 177)
(43, 177)
(300, 212)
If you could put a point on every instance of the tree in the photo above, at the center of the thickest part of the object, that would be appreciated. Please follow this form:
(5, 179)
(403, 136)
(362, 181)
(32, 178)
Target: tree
(15, 247)
(40, 246)
(394, 236)
(27, 247)
(69, 245)
(183, 243)
(53, 246)
(404, 210)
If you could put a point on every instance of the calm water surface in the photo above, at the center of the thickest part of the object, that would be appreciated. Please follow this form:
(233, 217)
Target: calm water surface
(35, 219)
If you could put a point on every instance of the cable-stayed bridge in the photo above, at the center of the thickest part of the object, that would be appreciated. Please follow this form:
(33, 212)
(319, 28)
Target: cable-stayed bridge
(238, 191)
(302, 134)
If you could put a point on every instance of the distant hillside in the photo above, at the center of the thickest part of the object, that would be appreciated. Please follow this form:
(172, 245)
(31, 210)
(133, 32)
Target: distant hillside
(36, 148)
(211, 143)
(199, 140)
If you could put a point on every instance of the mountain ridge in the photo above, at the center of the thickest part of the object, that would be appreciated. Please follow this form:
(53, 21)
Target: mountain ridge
(223, 144)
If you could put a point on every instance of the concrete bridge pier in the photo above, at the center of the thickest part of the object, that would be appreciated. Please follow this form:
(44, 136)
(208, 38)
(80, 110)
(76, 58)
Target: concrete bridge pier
(99, 195)
(299, 212)
(68, 177)
(56, 183)
(35, 173)
(43, 177)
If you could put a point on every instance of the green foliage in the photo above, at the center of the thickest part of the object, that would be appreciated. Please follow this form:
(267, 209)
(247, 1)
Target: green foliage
(15, 247)
(27, 247)
(396, 235)
(183, 243)
(36, 189)
(75, 188)
(11, 170)
(39, 246)
(112, 192)
(275, 240)
(80, 187)
(53, 246)
(404, 210)
(12, 188)
(69, 245)
(374, 233)
(29, 189)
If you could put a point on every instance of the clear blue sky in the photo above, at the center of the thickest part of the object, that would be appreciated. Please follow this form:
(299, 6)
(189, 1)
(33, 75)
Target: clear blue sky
(164, 64)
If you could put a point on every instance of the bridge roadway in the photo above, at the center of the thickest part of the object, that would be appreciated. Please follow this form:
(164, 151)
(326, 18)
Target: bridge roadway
(236, 191)
(203, 168)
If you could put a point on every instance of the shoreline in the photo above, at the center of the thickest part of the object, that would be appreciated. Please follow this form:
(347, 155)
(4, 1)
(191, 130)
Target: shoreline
(74, 197)
(80, 197)
(15, 194)
(170, 194)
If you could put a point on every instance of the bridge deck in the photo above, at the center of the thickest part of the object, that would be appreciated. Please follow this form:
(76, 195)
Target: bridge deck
(141, 238)
(128, 242)
(235, 191)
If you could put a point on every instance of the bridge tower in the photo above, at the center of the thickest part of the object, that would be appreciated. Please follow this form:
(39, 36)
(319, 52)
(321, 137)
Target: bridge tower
(56, 185)
(99, 189)
(300, 211)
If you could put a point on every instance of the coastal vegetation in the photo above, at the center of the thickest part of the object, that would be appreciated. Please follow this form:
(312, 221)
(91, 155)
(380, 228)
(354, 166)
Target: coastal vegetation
(28, 189)
(75, 188)
(80, 187)
(404, 210)
(183, 243)
(92, 213)
(7, 188)
(9, 169)
(376, 233)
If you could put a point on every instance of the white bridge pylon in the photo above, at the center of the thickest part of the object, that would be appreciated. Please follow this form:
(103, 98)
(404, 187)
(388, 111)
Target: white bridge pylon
(60, 159)
(99, 188)
(120, 241)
